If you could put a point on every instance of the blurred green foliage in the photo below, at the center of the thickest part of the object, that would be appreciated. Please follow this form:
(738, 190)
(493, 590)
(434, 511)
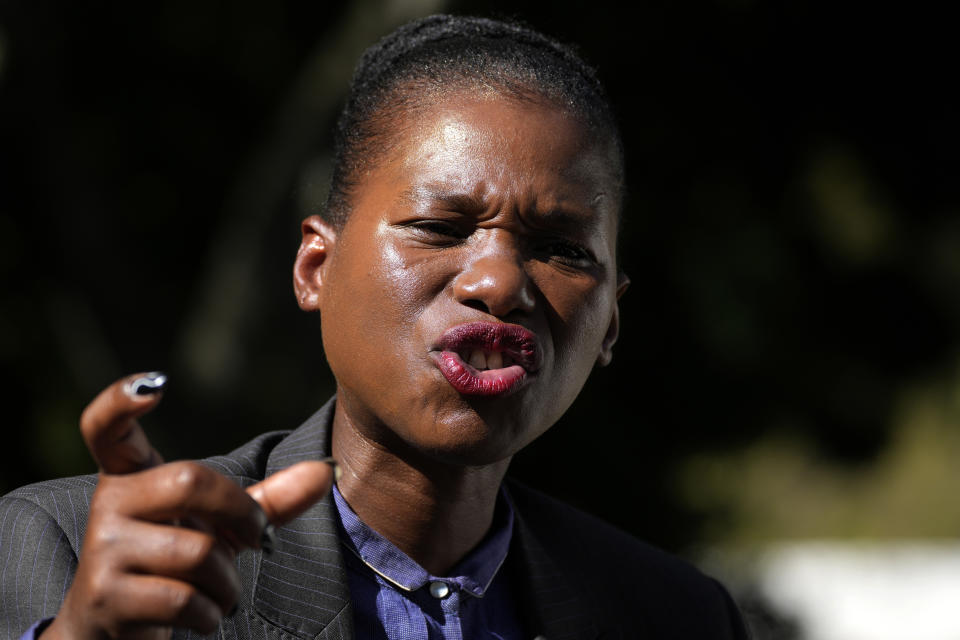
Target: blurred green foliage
(778, 488)
(792, 234)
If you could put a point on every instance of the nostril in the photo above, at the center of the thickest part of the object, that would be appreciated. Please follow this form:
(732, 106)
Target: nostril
(473, 303)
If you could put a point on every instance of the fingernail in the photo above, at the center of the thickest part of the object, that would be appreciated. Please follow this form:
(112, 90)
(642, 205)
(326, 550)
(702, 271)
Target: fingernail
(268, 539)
(147, 384)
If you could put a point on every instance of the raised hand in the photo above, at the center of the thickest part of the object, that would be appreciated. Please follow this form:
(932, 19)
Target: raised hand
(161, 538)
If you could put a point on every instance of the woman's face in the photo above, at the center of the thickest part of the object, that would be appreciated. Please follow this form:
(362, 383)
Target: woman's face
(474, 285)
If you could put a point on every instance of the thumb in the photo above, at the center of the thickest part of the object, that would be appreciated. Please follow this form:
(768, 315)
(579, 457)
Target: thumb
(288, 493)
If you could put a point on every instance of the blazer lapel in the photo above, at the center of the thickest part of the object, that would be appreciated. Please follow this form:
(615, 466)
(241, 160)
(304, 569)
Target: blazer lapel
(555, 609)
(301, 587)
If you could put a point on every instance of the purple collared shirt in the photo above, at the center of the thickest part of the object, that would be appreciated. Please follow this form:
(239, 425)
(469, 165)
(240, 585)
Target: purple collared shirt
(36, 629)
(394, 598)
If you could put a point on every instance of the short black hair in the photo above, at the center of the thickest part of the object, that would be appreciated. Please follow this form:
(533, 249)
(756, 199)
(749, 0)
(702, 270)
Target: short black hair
(428, 57)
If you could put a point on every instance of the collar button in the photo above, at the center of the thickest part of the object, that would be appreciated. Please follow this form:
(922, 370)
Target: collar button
(439, 590)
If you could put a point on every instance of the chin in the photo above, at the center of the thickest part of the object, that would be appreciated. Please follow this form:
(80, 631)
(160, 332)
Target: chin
(474, 441)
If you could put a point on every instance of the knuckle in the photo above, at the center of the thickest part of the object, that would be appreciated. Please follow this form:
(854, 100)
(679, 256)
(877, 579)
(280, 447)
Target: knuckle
(104, 529)
(199, 549)
(106, 497)
(187, 607)
(189, 477)
(179, 597)
(170, 544)
(99, 501)
(103, 533)
(110, 503)
(97, 587)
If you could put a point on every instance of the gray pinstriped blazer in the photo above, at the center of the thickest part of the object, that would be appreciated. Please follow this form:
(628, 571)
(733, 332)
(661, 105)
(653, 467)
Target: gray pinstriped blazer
(577, 577)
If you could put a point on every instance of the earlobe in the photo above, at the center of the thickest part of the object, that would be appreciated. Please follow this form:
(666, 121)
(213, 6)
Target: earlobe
(613, 330)
(316, 245)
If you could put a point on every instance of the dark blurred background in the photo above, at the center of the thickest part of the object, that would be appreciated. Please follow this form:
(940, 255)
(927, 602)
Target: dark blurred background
(788, 364)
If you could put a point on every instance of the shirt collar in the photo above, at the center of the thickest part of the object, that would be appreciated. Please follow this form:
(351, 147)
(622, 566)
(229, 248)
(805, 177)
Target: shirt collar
(473, 574)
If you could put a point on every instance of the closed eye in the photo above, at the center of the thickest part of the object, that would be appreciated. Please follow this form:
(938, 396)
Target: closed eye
(567, 252)
(438, 231)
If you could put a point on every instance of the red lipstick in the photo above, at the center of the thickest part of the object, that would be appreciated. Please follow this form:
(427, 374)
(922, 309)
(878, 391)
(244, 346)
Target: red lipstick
(487, 358)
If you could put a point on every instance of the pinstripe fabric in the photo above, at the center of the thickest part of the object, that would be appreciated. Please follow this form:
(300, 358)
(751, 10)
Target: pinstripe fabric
(299, 591)
(575, 577)
(302, 586)
(35, 574)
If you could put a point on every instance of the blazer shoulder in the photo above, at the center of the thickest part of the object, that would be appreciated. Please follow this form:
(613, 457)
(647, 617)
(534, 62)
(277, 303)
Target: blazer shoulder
(561, 524)
(42, 527)
(247, 464)
(625, 573)
(40, 552)
(65, 500)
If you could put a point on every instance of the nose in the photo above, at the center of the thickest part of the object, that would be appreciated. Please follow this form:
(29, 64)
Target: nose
(495, 279)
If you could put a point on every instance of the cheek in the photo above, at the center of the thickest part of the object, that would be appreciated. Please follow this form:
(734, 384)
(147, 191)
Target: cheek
(405, 282)
(379, 282)
(386, 295)
(579, 313)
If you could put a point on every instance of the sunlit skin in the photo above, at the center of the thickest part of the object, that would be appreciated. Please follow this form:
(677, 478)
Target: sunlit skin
(485, 208)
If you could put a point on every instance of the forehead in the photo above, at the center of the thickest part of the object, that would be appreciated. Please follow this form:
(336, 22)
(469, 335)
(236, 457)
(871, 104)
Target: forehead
(493, 149)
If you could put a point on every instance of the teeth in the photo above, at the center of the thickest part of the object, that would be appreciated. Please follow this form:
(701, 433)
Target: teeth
(482, 361)
(478, 360)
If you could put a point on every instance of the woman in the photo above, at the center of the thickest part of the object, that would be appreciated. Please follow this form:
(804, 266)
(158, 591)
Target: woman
(465, 272)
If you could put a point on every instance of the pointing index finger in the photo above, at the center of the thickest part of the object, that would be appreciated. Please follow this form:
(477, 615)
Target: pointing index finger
(110, 428)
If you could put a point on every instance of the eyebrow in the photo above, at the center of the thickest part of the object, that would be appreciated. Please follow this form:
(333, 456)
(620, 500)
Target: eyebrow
(455, 200)
(557, 217)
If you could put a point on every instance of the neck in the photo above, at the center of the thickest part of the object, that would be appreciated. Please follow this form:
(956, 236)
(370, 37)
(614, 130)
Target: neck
(432, 511)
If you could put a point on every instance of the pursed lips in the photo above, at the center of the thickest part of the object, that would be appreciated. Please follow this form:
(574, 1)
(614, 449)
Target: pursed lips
(487, 358)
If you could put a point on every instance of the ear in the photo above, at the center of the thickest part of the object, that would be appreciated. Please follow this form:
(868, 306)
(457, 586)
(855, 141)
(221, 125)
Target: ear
(613, 331)
(318, 239)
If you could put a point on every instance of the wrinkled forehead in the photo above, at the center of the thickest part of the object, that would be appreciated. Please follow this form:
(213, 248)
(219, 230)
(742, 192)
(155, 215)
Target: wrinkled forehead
(533, 152)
